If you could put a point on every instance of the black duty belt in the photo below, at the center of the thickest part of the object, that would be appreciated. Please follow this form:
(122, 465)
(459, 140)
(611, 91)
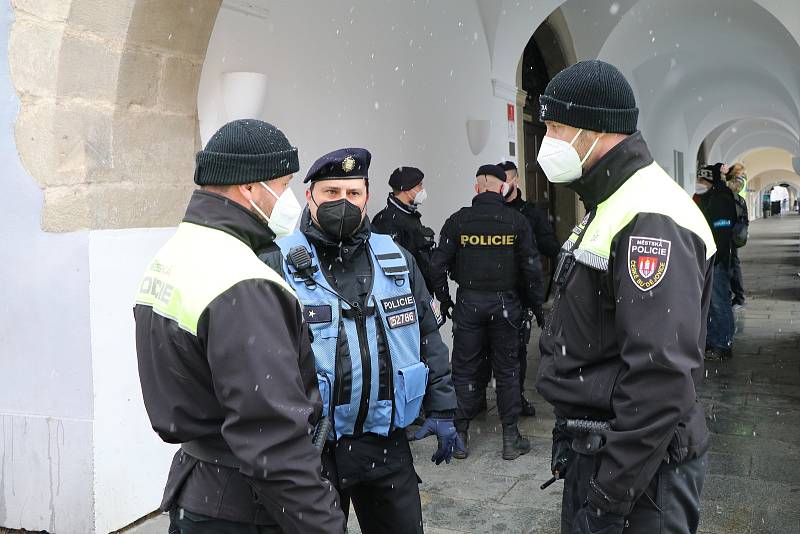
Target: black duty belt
(211, 454)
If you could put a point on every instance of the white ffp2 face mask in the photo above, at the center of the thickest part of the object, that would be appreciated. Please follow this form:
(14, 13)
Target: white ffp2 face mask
(285, 213)
(560, 161)
(420, 197)
(701, 188)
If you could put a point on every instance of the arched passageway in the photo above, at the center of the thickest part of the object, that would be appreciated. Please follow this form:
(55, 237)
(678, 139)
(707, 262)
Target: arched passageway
(110, 100)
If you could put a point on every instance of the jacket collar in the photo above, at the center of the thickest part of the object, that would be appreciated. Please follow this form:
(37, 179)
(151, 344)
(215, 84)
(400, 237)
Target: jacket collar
(215, 211)
(613, 170)
(517, 203)
(488, 198)
(402, 206)
(347, 248)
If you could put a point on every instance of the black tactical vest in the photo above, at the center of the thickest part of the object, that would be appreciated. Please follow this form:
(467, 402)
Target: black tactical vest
(487, 236)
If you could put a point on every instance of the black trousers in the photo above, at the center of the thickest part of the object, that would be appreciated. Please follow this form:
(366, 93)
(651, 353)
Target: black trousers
(669, 505)
(388, 505)
(485, 373)
(736, 278)
(486, 323)
(183, 521)
(376, 475)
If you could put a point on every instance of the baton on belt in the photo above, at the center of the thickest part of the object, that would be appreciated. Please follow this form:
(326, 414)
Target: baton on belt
(325, 425)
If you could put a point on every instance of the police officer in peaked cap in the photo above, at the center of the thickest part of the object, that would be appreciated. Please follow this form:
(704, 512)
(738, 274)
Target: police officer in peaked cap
(488, 250)
(379, 357)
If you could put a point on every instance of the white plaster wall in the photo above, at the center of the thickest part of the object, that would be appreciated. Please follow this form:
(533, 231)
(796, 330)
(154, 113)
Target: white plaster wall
(400, 79)
(45, 361)
(130, 461)
(46, 472)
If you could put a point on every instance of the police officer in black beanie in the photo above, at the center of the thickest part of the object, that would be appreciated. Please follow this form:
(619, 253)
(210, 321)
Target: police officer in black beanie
(488, 250)
(623, 346)
(401, 218)
(224, 357)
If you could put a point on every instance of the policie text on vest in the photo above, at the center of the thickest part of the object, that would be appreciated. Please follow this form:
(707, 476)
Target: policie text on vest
(488, 240)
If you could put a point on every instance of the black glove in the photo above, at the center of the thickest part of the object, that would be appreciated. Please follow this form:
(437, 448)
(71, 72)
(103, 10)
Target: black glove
(560, 457)
(590, 520)
(527, 317)
(526, 326)
(539, 314)
(446, 307)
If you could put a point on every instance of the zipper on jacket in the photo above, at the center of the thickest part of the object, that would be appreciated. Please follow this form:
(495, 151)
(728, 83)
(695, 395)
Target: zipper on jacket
(366, 369)
(343, 366)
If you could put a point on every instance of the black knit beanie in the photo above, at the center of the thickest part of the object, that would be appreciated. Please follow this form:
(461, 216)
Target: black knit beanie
(593, 95)
(243, 152)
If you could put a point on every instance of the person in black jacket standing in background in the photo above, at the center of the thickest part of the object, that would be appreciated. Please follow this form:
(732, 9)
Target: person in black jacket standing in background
(719, 207)
(545, 236)
(401, 218)
(488, 250)
(547, 244)
(737, 181)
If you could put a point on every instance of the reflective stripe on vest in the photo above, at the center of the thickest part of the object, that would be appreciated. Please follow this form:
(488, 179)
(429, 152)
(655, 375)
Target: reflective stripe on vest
(395, 380)
(649, 190)
(193, 268)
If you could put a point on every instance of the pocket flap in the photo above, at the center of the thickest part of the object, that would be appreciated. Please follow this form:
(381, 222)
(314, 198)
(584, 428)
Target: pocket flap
(413, 380)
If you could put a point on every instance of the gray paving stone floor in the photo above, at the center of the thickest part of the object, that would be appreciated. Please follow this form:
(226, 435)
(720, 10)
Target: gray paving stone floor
(752, 405)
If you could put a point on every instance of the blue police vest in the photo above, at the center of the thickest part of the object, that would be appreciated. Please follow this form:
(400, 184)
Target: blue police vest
(368, 358)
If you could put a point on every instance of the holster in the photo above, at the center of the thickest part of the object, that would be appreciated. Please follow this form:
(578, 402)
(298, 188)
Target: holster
(587, 436)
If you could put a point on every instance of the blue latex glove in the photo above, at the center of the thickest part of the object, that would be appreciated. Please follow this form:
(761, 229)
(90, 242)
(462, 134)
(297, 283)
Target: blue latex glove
(445, 433)
(593, 521)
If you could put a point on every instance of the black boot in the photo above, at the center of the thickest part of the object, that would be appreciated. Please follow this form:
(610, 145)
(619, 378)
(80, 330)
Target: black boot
(514, 445)
(462, 454)
(527, 407)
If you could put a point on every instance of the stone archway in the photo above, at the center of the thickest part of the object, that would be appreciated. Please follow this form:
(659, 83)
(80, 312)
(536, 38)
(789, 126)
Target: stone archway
(108, 118)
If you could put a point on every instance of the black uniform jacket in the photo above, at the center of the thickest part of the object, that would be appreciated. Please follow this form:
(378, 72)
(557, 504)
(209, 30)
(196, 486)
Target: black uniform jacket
(546, 241)
(245, 382)
(523, 272)
(403, 223)
(719, 207)
(612, 352)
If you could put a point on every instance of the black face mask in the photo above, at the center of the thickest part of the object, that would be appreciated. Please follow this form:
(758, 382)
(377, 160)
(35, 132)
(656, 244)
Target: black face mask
(339, 218)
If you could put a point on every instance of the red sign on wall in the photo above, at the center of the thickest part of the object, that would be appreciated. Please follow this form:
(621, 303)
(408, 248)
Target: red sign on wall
(512, 127)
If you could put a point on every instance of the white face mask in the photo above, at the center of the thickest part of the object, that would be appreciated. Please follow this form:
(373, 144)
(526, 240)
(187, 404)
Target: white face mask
(560, 161)
(420, 197)
(701, 188)
(505, 189)
(285, 213)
